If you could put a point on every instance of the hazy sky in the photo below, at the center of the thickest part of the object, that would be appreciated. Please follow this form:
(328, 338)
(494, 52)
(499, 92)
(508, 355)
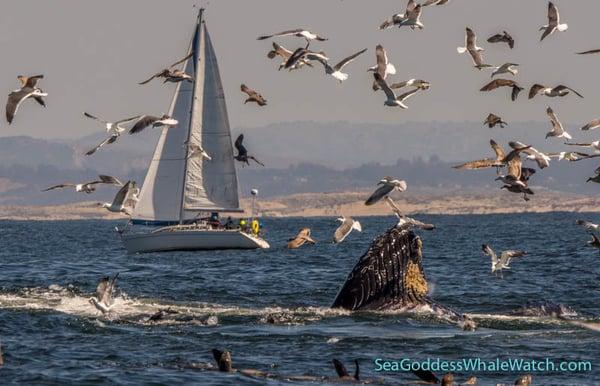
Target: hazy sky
(93, 53)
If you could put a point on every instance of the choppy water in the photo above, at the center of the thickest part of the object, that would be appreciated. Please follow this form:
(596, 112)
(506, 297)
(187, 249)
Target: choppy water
(50, 334)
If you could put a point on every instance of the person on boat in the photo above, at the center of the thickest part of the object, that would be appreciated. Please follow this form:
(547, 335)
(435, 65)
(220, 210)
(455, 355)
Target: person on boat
(213, 221)
(229, 223)
(243, 225)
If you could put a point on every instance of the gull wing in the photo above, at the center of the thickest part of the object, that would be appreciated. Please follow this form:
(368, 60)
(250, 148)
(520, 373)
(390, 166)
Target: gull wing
(594, 51)
(182, 60)
(384, 86)
(343, 230)
(347, 60)
(553, 15)
(514, 168)
(283, 33)
(408, 94)
(507, 256)
(159, 74)
(494, 84)
(535, 89)
(561, 87)
(378, 194)
(588, 225)
(94, 117)
(122, 194)
(105, 290)
(107, 141)
(556, 125)
(382, 60)
(110, 180)
(500, 155)
(61, 186)
(487, 249)
(239, 145)
(15, 99)
(591, 125)
(127, 120)
(143, 122)
(478, 164)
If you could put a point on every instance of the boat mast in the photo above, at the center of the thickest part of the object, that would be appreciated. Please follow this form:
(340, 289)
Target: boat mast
(195, 47)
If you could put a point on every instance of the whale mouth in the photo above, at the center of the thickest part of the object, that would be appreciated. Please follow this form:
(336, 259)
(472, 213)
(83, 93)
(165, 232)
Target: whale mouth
(388, 276)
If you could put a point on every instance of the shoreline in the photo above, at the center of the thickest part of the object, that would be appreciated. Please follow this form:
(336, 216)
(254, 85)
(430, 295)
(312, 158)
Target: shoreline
(347, 204)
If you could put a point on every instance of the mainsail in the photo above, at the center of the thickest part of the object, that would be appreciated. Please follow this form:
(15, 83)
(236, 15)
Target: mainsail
(177, 187)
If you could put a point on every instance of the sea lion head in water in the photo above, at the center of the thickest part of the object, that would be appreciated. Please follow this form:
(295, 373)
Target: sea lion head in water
(524, 380)
(223, 359)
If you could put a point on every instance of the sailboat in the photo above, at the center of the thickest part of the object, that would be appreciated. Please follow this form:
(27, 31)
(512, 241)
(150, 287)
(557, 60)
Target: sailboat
(180, 188)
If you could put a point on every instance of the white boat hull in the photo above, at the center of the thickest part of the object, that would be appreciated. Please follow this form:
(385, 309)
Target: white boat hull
(191, 240)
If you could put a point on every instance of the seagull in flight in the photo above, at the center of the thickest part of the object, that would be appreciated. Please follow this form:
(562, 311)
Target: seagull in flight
(301, 238)
(553, 22)
(124, 200)
(503, 37)
(542, 159)
(253, 96)
(113, 127)
(411, 17)
(150, 120)
(284, 53)
(383, 66)
(196, 151)
(88, 187)
(558, 91)
(303, 54)
(103, 301)
(499, 264)
(242, 154)
(336, 71)
(405, 221)
(388, 185)
(515, 181)
(594, 145)
(496, 83)
(28, 90)
(393, 100)
(171, 74)
(590, 226)
(501, 159)
(348, 224)
(473, 50)
(493, 120)
(299, 32)
(506, 68)
(557, 128)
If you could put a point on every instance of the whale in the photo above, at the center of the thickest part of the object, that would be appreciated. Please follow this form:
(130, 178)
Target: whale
(390, 276)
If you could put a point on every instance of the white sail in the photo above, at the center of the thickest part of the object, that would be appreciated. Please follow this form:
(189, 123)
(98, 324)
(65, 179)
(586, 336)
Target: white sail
(177, 188)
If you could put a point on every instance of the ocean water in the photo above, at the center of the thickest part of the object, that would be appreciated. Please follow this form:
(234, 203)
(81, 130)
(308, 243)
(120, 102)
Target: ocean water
(271, 308)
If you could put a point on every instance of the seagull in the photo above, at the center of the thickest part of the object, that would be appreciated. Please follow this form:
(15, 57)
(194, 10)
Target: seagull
(336, 71)
(594, 51)
(473, 49)
(301, 238)
(195, 150)
(110, 140)
(500, 161)
(88, 187)
(405, 221)
(113, 127)
(343, 374)
(388, 185)
(503, 37)
(496, 83)
(347, 225)
(253, 96)
(279, 50)
(300, 33)
(303, 54)
(150, 120)
(418, 83)
(505, 257)
(516, 180)
(242, 155)
(542, 159)
(172, 75)
(506, 68)
(492, 120)
(558, 91)
(124, 200)
(103, 300)
(594, 242)
(557, 128)
(590, 226)
(595, 145)
(411, 17)
(553, 22)
(28, 89)
(393, 100)
(568, 155)
(591, 125)
(383, 66)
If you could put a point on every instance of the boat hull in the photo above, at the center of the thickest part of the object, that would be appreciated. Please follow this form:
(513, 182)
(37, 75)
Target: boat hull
(191, 240)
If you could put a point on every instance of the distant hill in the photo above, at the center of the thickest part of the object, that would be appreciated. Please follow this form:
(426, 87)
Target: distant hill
(301, 157)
